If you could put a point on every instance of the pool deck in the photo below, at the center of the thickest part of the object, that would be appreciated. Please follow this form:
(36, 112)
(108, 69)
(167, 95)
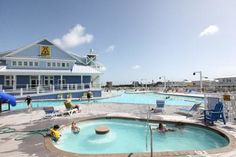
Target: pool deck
(33, 146)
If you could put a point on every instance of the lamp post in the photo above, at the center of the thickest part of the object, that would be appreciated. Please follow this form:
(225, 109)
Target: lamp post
(144, 83)
(164, 78)
(200, 72)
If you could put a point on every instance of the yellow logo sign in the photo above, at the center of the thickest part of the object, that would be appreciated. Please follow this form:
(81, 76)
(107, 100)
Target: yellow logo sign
(45, 51)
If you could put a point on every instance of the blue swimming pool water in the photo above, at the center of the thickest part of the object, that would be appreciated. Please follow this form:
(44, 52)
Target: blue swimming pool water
(129, 136)
(142, 98)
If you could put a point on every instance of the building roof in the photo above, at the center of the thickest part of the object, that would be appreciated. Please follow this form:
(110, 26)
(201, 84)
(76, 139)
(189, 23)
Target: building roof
(77, 70)
(230, 76)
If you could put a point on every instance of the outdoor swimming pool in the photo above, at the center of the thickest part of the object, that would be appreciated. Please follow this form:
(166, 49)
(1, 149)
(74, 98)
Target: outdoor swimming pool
(141, 98)
(129, 136)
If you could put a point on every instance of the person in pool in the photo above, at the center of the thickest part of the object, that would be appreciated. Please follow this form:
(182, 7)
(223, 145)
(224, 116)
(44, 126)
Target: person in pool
(162, 128)
(55, 133)
(75, 129)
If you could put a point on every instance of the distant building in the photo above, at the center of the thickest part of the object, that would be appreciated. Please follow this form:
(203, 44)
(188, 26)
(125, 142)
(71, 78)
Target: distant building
(43, 66)
(227, 83)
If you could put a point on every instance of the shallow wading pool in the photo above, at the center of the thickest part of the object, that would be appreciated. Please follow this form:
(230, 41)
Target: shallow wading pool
(133, 136)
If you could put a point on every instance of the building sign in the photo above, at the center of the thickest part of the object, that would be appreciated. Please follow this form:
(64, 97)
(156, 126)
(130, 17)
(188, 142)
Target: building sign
(45, 51)
(226, 97)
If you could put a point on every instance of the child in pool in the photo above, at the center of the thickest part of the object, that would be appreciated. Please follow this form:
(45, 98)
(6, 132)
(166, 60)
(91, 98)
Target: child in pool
(162, 128)
(74, 128)
(54, 132)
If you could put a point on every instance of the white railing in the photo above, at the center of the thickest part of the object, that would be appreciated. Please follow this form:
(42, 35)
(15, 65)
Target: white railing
(27, 89)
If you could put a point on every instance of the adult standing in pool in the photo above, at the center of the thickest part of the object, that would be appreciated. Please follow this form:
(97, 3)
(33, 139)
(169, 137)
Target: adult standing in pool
(29, 103)
(89, 95)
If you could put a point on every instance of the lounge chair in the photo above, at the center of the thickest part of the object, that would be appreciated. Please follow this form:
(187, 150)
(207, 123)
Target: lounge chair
(190, 111)
(216, 114)
(160, 104)
(50, 111)
(70, 109)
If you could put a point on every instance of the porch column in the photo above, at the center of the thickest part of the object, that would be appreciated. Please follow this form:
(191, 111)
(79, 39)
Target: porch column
(14, 82)
(61, 82)
(39, 81)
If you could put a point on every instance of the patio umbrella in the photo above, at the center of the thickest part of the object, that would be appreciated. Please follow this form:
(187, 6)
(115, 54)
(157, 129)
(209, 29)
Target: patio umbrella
(7, 98)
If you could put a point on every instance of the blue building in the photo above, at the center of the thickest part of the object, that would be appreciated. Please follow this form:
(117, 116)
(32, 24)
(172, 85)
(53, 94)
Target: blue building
(43, 69)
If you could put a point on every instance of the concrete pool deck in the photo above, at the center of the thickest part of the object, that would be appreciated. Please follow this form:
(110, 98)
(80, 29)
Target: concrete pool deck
(33, 146)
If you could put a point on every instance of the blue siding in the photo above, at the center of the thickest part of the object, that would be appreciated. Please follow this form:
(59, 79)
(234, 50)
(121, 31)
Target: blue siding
(86, 79)
(34, 52)
(1, 79)
(72, 79)
(22, 81)
(56, 78)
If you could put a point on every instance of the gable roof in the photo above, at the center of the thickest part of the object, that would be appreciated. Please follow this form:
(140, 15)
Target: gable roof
(45, 41)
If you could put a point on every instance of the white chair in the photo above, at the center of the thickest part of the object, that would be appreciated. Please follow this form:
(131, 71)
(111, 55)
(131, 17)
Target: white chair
(190, 111)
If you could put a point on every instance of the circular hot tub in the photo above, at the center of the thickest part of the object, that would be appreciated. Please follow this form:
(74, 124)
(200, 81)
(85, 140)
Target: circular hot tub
(133, 136)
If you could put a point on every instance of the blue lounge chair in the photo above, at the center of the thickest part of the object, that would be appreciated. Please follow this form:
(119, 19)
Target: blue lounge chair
(50, 111)
(215, 114)
(160, 104)
(190, 111)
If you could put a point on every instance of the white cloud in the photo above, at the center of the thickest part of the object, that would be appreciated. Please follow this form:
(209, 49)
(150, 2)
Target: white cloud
(210, 30)
(110, 48)
(75, 37)
(136, 67)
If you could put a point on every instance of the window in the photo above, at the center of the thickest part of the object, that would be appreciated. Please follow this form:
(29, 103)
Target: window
(48, 80)
(54, 64)
(36, 64)
(8, 81)
(14, 63)
(49, 64)
(67, 64)
(63, 65)
(63, 81)
(19, 63)
(58, 64)
(31, 64)
(25, 63)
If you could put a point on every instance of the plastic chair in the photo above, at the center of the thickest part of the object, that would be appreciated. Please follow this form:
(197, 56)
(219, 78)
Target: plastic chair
(160, 104)
(50, 111)
(190, 111)
(216, 114)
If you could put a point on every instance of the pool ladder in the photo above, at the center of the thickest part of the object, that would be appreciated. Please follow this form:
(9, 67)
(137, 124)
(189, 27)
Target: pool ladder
(149, 130)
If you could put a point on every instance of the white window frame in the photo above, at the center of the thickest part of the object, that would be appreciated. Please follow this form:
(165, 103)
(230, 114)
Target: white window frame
(24, 63)
(64, 65)
(19, 64)
(55, 64)
(35, 63)
(12, 63)
(49, 79)
(32, 63)
(9, 78)
(49, 64)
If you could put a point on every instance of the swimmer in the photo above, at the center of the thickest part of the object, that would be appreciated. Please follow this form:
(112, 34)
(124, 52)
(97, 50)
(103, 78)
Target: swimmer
(162, 128)
(74, 128)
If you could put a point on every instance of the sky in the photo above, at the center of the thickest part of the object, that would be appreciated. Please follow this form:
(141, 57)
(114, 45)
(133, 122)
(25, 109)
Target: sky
(137, 40)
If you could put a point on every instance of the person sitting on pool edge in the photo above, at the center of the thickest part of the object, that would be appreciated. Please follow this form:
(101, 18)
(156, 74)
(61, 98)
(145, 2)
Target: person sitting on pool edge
(75, 129)
(162, 128)
(69, 105)
(55, 133)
